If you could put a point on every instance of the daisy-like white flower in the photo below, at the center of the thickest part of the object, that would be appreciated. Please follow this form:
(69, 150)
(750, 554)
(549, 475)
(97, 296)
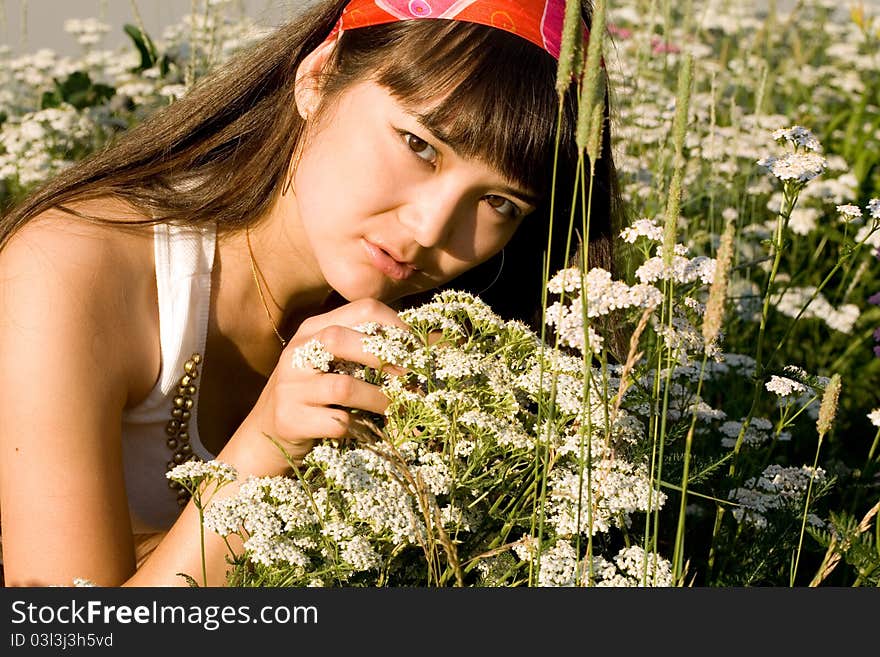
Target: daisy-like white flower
(565, 280)
(849, 213)
(874, 417)
(190, 474)
(312, 355)
(776, 488)
(801, 167)
(784, 387)
(799, 137)
(642, 228)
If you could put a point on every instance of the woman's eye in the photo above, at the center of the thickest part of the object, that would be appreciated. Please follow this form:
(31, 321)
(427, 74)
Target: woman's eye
(421, 148)
(503, 206)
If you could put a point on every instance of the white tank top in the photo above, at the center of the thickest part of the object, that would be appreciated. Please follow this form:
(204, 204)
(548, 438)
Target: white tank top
(184, 258)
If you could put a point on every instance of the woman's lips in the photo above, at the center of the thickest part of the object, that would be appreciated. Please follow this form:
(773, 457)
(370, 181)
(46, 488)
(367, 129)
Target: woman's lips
(392, 268)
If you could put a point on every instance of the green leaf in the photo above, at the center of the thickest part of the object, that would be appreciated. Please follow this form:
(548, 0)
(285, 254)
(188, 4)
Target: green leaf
(49, 99)
(145, 46)
(79, 91)
(75, 82)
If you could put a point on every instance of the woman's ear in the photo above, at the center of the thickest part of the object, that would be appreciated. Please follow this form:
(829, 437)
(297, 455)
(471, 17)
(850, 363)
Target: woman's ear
(307, 87)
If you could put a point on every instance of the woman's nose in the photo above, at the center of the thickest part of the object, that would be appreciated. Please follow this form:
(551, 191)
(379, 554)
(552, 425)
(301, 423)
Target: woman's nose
(431, 219)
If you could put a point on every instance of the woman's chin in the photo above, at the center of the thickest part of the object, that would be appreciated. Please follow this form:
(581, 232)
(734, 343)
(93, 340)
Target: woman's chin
(353, 286)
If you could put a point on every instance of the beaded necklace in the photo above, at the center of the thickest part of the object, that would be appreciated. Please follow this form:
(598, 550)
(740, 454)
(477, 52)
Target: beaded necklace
(177, 427)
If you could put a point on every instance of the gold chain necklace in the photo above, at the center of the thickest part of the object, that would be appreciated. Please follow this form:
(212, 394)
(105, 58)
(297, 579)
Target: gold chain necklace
(255, 270)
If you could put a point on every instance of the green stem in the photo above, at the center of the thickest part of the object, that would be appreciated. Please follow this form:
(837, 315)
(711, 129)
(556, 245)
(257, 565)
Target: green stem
(198, 503)
(806, 508)
(678, 552)
(587, 360)
(667, 385)
(873, 449)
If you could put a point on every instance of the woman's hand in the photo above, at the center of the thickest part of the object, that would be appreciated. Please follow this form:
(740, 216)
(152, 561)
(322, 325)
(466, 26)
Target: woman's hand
(300, 405)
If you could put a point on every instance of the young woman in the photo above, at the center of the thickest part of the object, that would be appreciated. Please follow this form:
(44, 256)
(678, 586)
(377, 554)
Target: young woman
(151, 295)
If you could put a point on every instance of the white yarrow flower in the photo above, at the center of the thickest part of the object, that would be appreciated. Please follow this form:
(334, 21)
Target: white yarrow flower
(801, 167)
(312, 355)
(849, 213)
(799, 137)
(196, 471)
(783, 386)
(647, 228)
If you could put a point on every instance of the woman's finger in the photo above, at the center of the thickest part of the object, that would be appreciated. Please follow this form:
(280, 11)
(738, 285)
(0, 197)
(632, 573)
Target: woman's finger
(347, 391)
(343, 343)
(354, 314)
(312, 388)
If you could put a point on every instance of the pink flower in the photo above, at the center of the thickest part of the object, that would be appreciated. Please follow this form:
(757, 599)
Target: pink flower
(658, 46)
(619, 32)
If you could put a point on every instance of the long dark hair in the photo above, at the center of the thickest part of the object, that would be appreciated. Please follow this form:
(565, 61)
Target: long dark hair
(222, 152)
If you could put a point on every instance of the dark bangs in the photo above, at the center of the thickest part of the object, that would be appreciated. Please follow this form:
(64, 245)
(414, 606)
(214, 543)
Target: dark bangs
(490, 94)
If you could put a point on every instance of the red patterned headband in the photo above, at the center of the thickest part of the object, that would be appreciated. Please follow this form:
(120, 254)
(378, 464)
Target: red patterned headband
(538, 21)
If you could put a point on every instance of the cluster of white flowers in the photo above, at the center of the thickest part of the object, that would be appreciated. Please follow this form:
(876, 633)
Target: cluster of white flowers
(793, 300)
(311, 355)
(603, 294)
(683, 339)
(799, 137)
(403, 351)
(559, 565)
(874, 417)
(757, 433)
(39, 144)
(784, 387)
(631, 567)
(599, 295)
(799, 167)
(849, 213)
(192, 473)
(88, 31)
(647, 228)
(616, 490)
(681, 270)
(777, 488)
(804, 220)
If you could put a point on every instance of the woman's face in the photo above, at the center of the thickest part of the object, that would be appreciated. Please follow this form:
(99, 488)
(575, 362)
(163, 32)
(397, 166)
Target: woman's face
(390, 209)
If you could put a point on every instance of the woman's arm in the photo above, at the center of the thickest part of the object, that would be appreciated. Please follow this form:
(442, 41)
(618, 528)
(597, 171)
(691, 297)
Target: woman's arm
(66, 369)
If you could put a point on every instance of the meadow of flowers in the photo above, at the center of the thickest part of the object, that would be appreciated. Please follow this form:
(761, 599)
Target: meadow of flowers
(730, 440)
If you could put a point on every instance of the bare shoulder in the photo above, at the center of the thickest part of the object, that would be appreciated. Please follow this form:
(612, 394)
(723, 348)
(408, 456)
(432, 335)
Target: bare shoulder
(117, 236)
(84, 281)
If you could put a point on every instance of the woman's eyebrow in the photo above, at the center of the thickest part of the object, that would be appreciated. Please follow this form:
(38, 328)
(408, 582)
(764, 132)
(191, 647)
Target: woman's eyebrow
(457, 147)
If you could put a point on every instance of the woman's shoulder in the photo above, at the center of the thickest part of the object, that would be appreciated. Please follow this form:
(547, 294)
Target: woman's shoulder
(85, 282)
(104, 227)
